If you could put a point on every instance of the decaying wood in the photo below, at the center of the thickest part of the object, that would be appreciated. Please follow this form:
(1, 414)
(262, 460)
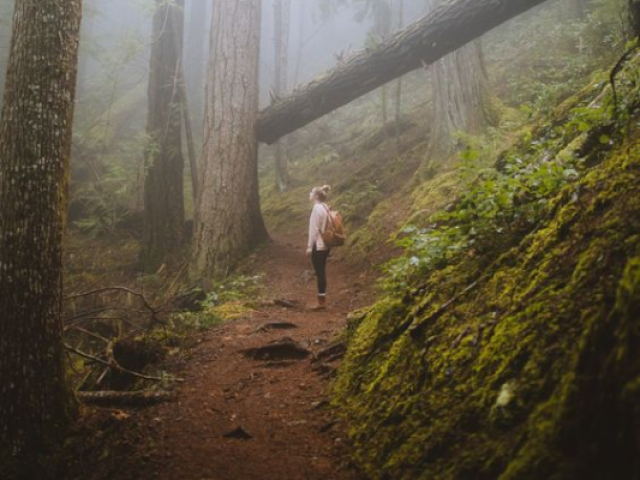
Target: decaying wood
(444, 30)
(141, 398)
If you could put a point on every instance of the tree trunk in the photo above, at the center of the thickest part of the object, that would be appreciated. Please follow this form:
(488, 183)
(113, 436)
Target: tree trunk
(400, 24)
(164, 191)
(6, 12)
(461, 99)
(442, 31)
(634, 8)
(282, 14)
(36, 403)
(301, 41)
(195, 60)
(228, 218)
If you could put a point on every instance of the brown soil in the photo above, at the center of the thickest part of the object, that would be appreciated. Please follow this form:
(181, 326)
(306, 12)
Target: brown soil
(242, 414)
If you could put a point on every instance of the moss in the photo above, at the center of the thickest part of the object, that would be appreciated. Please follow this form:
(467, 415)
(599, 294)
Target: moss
(531, 375)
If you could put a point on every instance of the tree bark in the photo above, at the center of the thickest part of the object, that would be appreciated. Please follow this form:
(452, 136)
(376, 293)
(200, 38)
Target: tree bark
(461, 98)
(36, 403)
(634, 8)
(6, 12)
(442, 31)
(195, 57)
(164, 191)
(228, 219)
(282, 14)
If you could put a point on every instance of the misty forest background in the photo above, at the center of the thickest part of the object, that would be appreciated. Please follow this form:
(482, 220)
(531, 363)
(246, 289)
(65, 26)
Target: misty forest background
(493, 195)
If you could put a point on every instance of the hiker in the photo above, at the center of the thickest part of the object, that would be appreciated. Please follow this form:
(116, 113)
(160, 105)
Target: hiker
(317, 248)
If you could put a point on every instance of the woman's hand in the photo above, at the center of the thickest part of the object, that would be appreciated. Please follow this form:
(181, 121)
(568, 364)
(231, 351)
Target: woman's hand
(309, 250)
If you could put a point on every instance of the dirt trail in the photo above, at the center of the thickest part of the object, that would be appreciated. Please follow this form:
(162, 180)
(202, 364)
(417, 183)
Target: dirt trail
(280, 403)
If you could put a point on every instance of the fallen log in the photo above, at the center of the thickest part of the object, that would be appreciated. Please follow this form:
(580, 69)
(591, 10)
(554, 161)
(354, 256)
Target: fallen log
(442, 31)
(140, 398)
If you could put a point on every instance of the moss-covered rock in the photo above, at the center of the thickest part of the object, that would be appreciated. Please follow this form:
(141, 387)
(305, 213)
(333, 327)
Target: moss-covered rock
(524, 366)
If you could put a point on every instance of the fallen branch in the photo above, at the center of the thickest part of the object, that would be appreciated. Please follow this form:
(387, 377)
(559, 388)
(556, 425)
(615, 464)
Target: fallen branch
(112, 363)
(154, 312)
(142, 398)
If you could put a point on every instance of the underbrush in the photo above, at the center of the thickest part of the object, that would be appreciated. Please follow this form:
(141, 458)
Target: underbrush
(125, 330)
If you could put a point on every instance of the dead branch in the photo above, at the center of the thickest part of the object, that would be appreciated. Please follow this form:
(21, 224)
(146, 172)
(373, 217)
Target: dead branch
(111, 362)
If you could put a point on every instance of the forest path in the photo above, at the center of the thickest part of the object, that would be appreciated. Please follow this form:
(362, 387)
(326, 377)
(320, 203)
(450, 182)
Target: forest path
(280, 403)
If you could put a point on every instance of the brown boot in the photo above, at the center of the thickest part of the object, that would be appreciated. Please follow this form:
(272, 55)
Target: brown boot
(322, 304)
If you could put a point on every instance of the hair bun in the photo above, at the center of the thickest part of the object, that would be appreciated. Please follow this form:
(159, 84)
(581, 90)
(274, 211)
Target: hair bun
(326, 188)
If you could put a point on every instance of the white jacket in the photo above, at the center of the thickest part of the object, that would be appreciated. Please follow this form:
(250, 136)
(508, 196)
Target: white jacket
(317, 225)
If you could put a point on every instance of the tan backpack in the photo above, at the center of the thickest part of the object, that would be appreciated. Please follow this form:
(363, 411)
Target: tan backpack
(334, 235)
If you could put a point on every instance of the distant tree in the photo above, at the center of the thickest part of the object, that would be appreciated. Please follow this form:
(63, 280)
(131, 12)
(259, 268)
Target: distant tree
(282, 17)
(381, 14)
(195, 56)
(577, 8)
(36, 403)
(634, 8)
(163, 188)
(399, 14)
(461, 97)
(228, 218)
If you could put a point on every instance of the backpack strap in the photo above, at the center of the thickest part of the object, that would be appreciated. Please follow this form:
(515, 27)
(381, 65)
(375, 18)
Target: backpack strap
(329, 217)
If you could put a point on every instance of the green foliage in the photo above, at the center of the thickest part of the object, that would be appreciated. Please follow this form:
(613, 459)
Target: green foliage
(502, 206)
(551, 58)
(511, 358)
(231, 298)
(234, 289)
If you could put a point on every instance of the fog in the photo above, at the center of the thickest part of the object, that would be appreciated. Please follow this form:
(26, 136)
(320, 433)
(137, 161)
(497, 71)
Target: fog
(116, 37)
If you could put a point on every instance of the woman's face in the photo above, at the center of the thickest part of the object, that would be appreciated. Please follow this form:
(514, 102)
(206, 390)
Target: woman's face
(312, 196)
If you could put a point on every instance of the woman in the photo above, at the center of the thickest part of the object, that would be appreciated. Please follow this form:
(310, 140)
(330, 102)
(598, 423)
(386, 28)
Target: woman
(316, 247)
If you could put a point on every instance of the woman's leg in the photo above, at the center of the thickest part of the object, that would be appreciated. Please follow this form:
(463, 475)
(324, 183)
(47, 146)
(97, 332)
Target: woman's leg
(319, 260)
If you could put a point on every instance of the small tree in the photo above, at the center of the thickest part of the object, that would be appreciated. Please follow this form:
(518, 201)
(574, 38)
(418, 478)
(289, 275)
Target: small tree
(36, 403)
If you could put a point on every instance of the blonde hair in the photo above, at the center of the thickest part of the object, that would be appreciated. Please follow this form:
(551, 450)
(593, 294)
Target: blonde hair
(321, 193)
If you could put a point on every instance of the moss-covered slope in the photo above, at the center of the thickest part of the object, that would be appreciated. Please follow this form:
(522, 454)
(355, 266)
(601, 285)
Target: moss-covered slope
(521, 360)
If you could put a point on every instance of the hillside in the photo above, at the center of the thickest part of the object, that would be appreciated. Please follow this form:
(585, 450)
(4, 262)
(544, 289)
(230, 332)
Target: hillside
(504, 347)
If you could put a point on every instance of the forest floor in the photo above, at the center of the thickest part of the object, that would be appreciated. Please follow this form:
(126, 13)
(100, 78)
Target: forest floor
(242, 417)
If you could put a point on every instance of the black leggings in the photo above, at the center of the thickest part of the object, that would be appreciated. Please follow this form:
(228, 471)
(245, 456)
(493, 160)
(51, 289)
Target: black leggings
(319, 260)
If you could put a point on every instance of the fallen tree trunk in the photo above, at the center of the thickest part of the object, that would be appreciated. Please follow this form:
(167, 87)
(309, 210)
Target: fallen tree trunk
(124, 399)
(444, 30)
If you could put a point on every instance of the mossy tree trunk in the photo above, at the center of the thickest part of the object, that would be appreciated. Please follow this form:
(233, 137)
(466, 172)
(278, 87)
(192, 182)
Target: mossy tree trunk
(282, 16)
(36, 403)
(228, 219)
(164, 162)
